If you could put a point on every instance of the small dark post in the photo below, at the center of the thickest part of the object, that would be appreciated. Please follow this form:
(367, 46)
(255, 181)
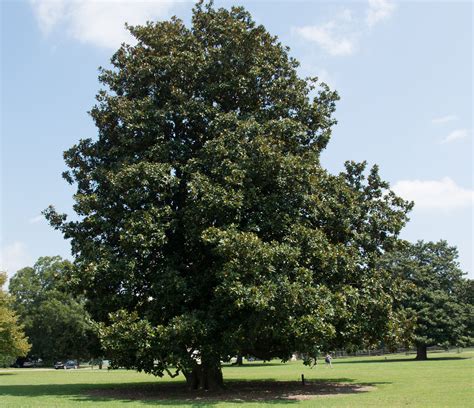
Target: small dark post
(302, 379)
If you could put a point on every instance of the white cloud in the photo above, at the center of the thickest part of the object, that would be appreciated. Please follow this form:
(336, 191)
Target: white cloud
(442, 194)
(378, 11)
(340, 35)
(327, 38)
(14, 257)
(444, 119)
(457, 134)
(36, 219)
(48, 13)
(336, 37)
(97, 22)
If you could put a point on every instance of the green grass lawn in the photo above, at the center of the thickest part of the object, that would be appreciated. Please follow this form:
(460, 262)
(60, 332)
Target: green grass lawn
(446, 380)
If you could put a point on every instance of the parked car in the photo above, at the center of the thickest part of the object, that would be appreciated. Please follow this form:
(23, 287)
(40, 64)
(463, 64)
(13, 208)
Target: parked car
(68, 365)
(71, 364)
(39, 362)
(58, 365)
(27, 362)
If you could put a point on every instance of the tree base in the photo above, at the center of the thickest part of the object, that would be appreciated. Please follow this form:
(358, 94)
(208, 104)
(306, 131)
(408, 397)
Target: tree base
(421, 353)
(205, 378)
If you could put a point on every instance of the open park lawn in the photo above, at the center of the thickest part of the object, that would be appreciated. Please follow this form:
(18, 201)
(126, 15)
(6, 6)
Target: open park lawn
(446, 380)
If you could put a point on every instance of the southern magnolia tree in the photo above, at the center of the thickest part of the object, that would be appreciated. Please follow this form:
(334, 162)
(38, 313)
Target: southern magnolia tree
(207, 227)
(55, 320)
(13, 342)
(437, 295)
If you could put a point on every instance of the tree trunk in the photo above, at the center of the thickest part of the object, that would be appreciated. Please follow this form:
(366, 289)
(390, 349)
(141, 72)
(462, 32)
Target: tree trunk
(421, 352)
(205, 377)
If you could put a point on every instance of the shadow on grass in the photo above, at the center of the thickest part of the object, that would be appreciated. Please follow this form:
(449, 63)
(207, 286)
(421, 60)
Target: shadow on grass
(251, 365)
(268, 391)
(399, 360)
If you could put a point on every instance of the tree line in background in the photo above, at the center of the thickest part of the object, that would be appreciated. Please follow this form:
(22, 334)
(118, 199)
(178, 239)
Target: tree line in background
(13, 342)
(435, 295)
(53, 317)
(207, 227)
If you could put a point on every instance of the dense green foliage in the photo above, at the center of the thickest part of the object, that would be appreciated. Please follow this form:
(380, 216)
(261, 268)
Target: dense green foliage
(437, 294)
(13, 342)
(207, 227)
(55, 320)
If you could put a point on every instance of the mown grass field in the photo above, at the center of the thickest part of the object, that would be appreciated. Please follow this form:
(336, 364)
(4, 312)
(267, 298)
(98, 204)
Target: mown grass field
(446, 380)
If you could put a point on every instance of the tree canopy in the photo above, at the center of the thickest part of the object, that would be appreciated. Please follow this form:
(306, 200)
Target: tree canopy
(206, 225)
(438, 296)
(55, 320)
(13, 342)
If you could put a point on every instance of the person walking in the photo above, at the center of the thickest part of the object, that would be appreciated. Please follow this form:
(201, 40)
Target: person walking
(328, 360)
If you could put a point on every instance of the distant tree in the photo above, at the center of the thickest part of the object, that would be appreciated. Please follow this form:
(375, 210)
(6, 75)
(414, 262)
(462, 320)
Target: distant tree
(207, 227)
(55, 320)
(465, 294)
(437, 295)
(13, 342)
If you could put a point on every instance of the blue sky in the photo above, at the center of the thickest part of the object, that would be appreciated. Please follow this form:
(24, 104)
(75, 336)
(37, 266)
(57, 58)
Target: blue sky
(403, 71)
